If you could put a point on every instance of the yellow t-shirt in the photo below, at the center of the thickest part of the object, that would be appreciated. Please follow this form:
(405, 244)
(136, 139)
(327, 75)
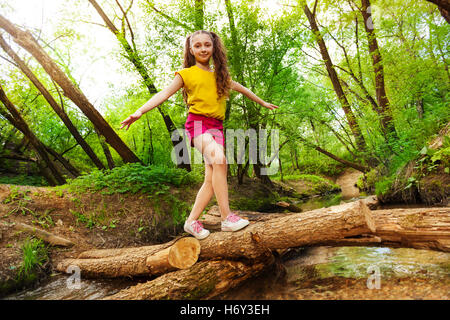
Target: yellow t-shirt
(200, 86)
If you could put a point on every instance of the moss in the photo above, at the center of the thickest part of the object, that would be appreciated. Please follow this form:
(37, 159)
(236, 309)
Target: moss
(201, 290)
(411, 221)
(249, 204)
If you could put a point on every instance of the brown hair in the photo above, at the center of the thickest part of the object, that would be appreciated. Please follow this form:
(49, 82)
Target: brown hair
(219, 57)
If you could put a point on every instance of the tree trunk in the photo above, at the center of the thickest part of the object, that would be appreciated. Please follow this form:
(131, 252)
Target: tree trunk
(27, 41)
(383, 102)
(69, 167)
(444, 8)
(419, 228)
(419, 107)
(16, 120)
(335, 81)
(106, 151)
(58, 110)
(204, 280)
(334, 157)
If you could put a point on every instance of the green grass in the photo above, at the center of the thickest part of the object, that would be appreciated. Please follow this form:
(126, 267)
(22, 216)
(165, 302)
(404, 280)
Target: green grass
(35, 254)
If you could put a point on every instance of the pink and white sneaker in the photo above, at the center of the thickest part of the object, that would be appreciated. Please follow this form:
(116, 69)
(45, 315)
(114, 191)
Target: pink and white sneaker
(196, 229)
(234, 223)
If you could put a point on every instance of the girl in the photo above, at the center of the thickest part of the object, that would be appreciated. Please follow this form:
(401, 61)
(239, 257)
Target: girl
(205, 91)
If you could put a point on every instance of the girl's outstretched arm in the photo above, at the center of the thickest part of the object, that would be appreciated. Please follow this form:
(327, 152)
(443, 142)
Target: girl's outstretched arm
(246, 92)
(155, 101)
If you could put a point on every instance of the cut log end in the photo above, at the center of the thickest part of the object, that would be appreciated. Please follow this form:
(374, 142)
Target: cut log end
(368, 216)
(184, 253)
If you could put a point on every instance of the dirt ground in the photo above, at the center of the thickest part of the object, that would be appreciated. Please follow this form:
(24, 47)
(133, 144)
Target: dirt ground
(347, 182)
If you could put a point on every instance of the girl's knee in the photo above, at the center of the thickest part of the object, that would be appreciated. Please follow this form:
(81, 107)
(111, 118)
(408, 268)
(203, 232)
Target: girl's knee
(214, 155)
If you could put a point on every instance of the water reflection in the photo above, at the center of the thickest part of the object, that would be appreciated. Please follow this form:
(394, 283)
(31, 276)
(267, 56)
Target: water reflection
(354, 262)
(56, 288)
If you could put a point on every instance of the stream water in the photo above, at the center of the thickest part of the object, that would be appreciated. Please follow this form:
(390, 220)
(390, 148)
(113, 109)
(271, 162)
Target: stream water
(307, 273)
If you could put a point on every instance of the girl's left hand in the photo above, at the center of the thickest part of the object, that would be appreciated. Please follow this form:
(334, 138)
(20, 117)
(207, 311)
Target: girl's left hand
(270, 106)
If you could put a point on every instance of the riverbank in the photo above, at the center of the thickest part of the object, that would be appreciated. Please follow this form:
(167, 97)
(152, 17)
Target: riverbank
(99, 220)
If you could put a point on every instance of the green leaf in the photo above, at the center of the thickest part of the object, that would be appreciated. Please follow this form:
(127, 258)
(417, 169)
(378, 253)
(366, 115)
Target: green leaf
(424, 151)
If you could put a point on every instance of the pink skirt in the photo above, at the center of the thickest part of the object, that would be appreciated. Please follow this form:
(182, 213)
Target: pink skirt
(197, 124)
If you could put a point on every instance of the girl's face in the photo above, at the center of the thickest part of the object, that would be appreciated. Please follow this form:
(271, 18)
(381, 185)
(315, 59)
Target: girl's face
(201, 48)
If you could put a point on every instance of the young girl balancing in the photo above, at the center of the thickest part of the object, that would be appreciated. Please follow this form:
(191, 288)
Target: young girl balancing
(205, 91)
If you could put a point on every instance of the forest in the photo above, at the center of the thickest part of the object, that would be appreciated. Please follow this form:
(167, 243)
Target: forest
(361, 85)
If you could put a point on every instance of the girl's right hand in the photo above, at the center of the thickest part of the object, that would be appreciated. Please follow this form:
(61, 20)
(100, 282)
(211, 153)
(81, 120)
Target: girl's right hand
(128, 121)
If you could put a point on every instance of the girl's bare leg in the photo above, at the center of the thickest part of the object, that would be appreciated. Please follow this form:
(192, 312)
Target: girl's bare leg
(215, 159)
(204, 195)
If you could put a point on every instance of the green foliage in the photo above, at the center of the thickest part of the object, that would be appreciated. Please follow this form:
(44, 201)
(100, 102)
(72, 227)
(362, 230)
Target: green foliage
(431, 159)
(24, 180)
(384, 185)
(133, 178)
(318, 185)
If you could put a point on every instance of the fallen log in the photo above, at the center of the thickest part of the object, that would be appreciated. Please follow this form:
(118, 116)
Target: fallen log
(249, 244)
(204, 280)
(44, 235)
(419, 228)
(179, 254)
(293, 230)
(422, 228)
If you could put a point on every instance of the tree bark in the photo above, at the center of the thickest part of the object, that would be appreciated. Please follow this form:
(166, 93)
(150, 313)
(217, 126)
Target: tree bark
(106, 151)
(419, 228)
(58, 110)
(384, 110)
(69, 167)
(27, 41)
(444, 8)
(204, 280)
